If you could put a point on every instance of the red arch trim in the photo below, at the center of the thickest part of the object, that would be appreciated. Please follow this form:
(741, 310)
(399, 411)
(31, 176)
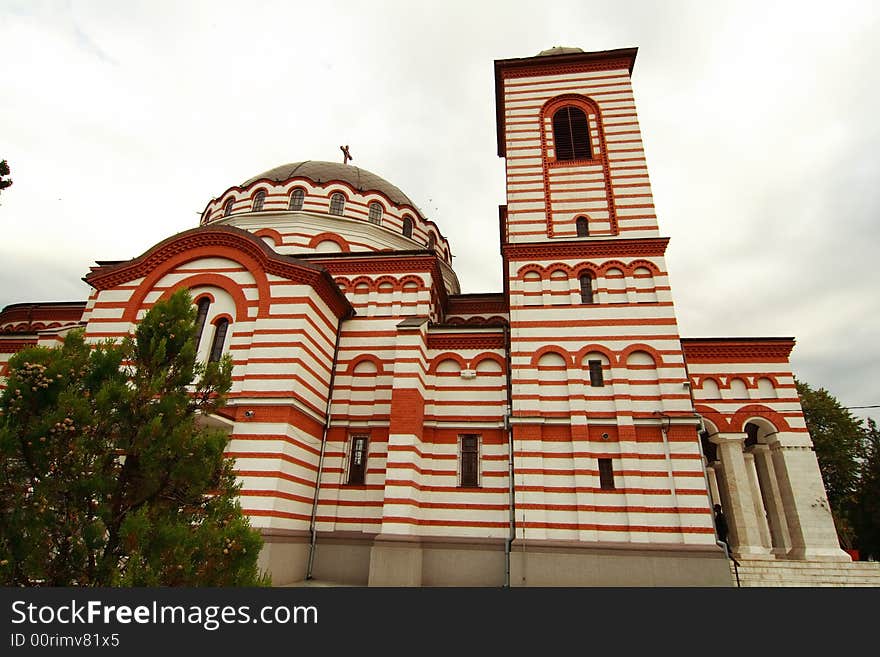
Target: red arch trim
(213, 280)
(380, 366)
(269, 232)
(647, 264)
(716, 418)
(447, 355)
(656, 355)
(605, 351)
(589, 106)
(330, 237)
(224, 241)
(489, 356)
(168, 266)
(743, 415)
(552, 350)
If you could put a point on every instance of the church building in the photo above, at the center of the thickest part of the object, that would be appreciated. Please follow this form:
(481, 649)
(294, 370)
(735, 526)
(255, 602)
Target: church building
(389, 430)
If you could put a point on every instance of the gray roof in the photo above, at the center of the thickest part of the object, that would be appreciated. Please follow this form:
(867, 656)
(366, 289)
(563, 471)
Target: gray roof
(558, 50)
(323, 172)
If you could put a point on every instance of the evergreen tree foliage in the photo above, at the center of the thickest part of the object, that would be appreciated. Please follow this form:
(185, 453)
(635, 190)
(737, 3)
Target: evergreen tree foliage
(108, 476)
(867, 511)
(4, 171)
(837, 438)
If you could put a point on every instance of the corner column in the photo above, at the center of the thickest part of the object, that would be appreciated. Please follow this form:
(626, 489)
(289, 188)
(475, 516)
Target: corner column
(745, 536)
(810, 525)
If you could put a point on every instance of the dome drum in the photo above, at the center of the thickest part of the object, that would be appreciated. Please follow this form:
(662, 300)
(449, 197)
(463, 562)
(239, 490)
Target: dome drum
(327, 189)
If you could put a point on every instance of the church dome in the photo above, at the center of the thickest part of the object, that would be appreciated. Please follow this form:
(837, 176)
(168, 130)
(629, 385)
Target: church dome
(323, 172)
(314, 206)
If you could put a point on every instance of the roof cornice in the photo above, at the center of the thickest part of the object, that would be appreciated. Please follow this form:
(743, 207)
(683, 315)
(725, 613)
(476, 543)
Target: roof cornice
(602, 60)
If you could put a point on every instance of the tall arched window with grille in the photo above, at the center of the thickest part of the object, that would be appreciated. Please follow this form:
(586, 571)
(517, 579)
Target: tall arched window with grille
(259, 199)
(376, 213)
(227, 208)
(407, 227)
(583, 227)
(296, 200)
(337, 203)
(201, 315)
(220, 329)
(571, 134)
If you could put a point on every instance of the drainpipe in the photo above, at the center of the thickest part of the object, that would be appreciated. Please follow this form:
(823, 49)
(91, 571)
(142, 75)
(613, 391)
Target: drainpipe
(313, 534)
(509, 427)
(705, 463)
(718, 542)
(665, 421)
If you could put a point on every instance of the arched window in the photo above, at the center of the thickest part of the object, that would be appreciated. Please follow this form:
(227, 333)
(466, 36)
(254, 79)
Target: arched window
(376, 213)
(337, 203)
(583, 228)
(201, 315)
(432, 241)
(571, 134)
(220, 330)
(407, 227)
(259, 199)
(586, 288)
(227, 208)
(296, 200)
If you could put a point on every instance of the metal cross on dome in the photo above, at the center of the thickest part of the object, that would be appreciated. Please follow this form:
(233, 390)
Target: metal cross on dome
(346, 156)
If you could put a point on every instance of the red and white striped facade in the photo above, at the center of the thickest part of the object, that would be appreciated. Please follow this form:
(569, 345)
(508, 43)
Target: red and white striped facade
(347, 323)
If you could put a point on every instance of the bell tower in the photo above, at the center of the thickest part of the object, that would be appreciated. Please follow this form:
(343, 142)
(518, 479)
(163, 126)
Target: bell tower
(596, 360)
(568, 129)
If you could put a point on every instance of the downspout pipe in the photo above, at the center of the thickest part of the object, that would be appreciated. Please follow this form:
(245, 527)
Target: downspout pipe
(508, 413)
(718, 541)
(313, 534)
(705, 463)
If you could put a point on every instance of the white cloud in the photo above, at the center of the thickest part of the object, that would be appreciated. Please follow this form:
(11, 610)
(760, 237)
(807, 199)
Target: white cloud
(123, 119)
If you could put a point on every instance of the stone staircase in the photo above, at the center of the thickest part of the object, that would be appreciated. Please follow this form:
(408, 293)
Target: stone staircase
(773, 573)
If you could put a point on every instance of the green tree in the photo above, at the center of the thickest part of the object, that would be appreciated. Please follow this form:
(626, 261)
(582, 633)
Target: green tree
(4, 171)
(108, 476)
(867, 505)
(837, 437)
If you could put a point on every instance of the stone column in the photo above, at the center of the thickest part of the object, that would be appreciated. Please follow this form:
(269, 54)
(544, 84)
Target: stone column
(712, 476)
(779, 538)
(745, 537)
(757, 499)
(810, 526)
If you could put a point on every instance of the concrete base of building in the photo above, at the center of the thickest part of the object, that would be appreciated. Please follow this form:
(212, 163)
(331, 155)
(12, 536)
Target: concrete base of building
(383, 560)
(285, 555)
(576, 564)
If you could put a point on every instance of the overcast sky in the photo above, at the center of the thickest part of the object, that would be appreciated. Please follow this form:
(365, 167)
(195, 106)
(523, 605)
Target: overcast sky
(121, 120)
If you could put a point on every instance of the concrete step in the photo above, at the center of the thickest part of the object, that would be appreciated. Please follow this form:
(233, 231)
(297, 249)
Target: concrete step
(768, 572)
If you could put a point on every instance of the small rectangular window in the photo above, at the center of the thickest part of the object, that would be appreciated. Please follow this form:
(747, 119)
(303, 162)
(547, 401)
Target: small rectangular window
(469, 459)
(606, 474)
(596, 378)
(357, 465)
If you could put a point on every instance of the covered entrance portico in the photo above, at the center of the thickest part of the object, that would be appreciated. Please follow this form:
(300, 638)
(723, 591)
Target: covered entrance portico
(767, 480)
